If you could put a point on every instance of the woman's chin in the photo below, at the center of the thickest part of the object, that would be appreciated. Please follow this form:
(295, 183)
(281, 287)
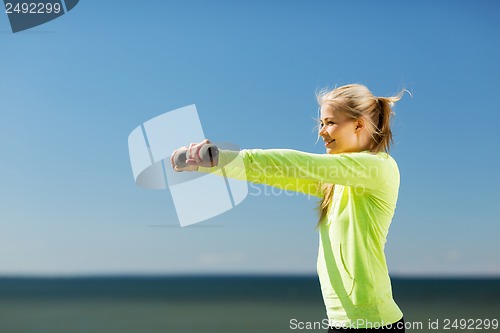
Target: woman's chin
(330, 151)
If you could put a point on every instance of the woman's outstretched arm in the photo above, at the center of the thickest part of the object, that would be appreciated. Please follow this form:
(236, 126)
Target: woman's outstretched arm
(237, 165)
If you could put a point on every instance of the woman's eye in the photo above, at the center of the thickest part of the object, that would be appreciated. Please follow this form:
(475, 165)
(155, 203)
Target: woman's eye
(327, 123)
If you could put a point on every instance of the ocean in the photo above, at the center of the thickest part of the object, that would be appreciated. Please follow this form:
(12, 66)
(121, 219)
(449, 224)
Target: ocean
(223, 304)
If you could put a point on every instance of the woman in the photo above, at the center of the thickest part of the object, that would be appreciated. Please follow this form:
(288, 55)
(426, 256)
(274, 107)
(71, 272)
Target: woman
(358, 182)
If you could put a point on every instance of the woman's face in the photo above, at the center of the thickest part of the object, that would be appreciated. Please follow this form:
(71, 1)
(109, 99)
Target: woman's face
(340, 134)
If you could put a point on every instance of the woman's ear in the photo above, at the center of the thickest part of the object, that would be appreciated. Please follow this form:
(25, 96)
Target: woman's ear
(360, 125)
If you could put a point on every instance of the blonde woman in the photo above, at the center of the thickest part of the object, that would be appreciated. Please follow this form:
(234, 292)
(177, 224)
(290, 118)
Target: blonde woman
(357, 182)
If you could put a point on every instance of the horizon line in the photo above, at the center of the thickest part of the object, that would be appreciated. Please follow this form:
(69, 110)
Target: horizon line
(125, 275)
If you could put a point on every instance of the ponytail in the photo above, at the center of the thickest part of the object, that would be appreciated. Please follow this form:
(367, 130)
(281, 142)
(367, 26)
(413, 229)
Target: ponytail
(382, 136)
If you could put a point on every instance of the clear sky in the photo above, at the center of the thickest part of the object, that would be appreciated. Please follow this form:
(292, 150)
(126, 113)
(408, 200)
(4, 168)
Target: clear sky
(73, 89)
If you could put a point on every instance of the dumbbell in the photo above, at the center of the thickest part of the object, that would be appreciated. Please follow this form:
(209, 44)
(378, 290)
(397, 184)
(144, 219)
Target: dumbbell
(208, 153)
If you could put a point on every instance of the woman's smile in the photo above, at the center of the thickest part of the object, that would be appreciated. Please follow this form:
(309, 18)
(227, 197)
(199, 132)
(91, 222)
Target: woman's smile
(328, 141)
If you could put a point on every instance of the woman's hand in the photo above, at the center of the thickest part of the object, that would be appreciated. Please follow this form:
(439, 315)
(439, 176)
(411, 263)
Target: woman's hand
(193, 158)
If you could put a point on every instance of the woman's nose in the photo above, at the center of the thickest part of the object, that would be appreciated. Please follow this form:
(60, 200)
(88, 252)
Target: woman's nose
(321, 130)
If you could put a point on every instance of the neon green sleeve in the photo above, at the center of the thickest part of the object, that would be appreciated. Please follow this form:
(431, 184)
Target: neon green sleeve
(303, 172)
(237, 165)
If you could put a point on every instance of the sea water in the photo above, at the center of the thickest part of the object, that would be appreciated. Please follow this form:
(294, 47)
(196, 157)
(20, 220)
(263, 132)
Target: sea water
(221, 304)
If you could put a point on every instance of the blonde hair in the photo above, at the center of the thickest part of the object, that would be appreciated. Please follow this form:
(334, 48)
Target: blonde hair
(356, 101)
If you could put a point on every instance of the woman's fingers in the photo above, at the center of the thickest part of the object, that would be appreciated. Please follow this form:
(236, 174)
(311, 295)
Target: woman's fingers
(193, 158)
(194, 152)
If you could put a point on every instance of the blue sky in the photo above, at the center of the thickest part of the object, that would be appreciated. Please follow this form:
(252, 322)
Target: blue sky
(73, 89)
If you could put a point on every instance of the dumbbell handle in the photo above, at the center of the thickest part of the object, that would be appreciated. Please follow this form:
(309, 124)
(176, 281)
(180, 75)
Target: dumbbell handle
(209, 155)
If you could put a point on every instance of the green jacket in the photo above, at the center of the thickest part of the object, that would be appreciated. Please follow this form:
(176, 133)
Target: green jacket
(351, 263)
